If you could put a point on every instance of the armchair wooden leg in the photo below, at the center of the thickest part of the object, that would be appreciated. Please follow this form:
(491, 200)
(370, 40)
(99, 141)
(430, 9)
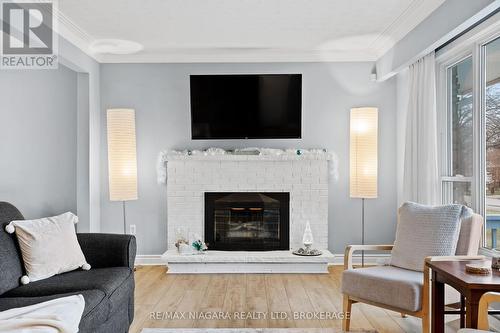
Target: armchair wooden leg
(346, 321)
(426, 323)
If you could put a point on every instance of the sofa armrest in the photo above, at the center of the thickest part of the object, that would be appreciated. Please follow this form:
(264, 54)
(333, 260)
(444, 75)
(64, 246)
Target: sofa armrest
(350, 249)
(108, 250)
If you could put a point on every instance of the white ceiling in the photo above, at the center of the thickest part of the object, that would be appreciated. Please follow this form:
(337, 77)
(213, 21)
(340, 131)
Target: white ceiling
(244, 30)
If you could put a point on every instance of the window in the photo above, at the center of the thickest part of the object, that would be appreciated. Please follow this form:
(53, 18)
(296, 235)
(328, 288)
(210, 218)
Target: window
(457, 184)
(469, 119)
(491, 90)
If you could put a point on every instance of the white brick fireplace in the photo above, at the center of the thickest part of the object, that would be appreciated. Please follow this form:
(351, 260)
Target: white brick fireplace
(305, 177)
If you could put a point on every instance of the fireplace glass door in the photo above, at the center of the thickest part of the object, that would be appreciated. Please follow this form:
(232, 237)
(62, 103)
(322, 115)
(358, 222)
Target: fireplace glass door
(246, 221)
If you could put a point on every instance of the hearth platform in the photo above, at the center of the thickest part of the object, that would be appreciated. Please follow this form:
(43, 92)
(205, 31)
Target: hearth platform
(246, 262)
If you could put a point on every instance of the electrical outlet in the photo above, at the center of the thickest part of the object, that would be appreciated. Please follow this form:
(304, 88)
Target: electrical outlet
(132, 229)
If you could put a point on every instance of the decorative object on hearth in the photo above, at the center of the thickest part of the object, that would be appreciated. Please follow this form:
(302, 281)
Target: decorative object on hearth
(185, 248)
(479, 269)
(495, 263)
(192, 244)
(307, 252)
(197, 243)
(363, 159)
(122, 157)
(181, 240)
(308, 241)
(279, 154)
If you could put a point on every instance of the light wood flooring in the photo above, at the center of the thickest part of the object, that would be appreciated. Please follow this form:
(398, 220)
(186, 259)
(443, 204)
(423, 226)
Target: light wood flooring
(157, 291)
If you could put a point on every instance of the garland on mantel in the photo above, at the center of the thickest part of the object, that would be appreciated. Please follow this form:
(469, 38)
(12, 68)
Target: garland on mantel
(280, 154)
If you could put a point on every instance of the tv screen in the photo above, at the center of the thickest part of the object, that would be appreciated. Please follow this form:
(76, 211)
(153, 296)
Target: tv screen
(264, 106)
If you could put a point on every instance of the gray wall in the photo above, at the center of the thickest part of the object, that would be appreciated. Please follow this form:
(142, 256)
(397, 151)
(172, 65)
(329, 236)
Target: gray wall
(38, 135)
(160, 95)
(89, 106)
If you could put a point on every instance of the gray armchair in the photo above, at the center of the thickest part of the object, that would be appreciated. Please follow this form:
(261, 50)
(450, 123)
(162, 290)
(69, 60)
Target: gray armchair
(398, 289)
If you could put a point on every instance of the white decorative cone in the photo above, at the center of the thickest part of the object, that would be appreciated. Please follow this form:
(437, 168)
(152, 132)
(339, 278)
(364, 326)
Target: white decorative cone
(307, 239)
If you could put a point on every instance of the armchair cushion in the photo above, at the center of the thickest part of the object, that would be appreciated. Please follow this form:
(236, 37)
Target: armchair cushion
(425, 231)
(387, 285)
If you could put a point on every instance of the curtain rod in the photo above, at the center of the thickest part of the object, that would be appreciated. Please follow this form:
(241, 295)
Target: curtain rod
(467, 30)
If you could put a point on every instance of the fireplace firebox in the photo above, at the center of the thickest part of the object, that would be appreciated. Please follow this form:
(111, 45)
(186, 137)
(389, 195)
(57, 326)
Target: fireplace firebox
(247, 221)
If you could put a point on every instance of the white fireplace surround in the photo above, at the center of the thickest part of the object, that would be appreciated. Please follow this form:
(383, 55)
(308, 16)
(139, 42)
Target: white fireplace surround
(305, 177)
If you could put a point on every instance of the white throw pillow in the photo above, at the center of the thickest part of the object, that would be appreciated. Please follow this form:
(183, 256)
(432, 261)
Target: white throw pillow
(49, 246)
(424, 231)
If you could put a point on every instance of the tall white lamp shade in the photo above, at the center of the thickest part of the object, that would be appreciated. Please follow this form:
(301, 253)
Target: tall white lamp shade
(122, 157)
(363, 152)
(363, 156)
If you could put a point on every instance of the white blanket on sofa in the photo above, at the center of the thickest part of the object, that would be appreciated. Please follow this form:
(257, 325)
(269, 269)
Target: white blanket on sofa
(60, 315)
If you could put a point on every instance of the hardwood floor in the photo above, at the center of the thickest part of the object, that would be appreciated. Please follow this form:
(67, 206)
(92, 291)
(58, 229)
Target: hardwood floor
(159, 295)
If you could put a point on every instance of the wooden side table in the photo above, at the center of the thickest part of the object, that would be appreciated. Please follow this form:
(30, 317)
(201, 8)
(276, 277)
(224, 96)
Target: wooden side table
(470, 286)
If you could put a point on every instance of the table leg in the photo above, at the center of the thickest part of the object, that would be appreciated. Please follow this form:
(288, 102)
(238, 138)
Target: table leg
(472, 304)
(462, 311)
(437, 305)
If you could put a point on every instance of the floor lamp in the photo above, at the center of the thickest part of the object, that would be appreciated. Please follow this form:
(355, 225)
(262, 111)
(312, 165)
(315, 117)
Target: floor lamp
(363, 156)
(122, 157)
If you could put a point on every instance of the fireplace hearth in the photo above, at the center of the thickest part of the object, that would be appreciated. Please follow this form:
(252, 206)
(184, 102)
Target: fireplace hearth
(247, 221)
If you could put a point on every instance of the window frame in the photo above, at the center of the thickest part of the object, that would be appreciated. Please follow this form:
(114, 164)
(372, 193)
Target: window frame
(445, 151)
(472, 44)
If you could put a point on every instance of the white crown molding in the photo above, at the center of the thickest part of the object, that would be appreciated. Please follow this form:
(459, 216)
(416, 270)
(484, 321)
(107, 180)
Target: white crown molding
(239, 56)
(409, 19)
(74, 34)
(412, 16)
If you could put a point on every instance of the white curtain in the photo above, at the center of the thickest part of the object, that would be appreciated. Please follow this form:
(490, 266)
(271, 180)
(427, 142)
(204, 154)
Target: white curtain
(421, 178)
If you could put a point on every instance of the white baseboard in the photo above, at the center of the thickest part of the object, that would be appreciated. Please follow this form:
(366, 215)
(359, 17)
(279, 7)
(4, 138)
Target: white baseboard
(149, 259)
(370, 259)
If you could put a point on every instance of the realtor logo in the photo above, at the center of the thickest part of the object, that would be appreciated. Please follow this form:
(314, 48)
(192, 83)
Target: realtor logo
(28, 35)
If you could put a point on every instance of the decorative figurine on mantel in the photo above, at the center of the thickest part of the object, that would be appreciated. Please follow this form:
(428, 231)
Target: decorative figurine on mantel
(308, 241)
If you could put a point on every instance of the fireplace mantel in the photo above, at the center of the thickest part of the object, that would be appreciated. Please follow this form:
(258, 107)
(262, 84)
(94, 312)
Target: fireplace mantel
(236, 157)
(263, 154)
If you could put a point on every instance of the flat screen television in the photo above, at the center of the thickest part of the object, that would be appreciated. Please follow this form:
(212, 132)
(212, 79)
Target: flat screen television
(266, 106)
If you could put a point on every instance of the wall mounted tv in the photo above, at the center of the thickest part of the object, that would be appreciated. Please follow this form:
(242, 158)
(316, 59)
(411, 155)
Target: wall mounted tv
(266, 106)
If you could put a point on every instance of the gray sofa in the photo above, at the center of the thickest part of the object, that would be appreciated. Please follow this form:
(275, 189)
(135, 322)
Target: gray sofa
(108, 288)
